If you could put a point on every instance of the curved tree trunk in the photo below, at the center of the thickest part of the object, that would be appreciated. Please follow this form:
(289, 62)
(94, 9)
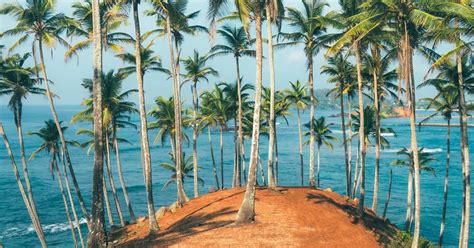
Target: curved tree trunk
(344, 142)
(300, 139)
(465, 161)
(71, 200)
(311, 118)
(214, 167)
(54, 166)
(246, 212)
(377, 132)
(195, 137)
(409, 200)
(97, 236)
(182, 198)
(221, 149)
(145, 146)
(271, 119)
(34, 219)
(107, 203)
(111, 179)
(319, 163)
(362, 144)
(120, 173)
(240, 136)
(64, 148)
(389, 194)
(446, 176)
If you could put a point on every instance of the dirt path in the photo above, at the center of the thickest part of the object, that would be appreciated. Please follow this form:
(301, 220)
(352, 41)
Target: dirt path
(296, 217)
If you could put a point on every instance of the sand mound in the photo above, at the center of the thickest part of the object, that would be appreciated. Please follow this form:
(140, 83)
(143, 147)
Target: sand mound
(299, 217)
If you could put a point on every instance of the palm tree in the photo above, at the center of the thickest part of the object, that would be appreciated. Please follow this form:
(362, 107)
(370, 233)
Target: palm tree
(18, 81)
(37, 21)
(187, 167)
(50, 145)
(174, 23)
(116, 115)
(341, 71)
(149, 61)
(196, 70)
(445, 103)
(237, 44)
(296, 95)
(111, 19)
(323, 136)
(274, 12)
(97, 236)
(214, 102)
(308, 28)
(33, 216)
(425, 159)
(458, 16)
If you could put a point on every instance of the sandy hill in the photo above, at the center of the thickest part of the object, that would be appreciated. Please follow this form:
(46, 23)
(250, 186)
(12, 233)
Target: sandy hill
(300, 217)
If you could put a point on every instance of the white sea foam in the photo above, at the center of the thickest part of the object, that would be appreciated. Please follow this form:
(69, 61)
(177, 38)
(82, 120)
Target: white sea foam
(427, 150)
(387, 134)
(50, 228)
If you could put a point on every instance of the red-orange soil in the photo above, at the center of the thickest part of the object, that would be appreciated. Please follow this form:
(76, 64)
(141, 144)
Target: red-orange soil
(296, 217)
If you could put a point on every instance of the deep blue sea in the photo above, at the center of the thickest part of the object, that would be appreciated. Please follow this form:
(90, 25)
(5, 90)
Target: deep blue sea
(16, 229)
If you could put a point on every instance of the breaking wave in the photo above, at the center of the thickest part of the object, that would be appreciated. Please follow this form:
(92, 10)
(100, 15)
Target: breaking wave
(50, 228)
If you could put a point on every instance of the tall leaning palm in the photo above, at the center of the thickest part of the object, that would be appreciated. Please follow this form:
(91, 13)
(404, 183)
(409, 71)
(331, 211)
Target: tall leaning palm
(323, 136)
(196, 70)
(296, 95)
(38, 22)
(18, 81)
(50, 145)
(341, 72)
(248, 10)
(307, 29)
(236, 44)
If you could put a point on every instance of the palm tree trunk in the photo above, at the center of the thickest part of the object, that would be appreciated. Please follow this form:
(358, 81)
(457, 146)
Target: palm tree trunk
(246, 212)
(344, 142)
(413, 139)
(111, 179)
(34, 218)
(214, 167)
(300, 139)
(271, 119)
(107, 202)
(276, 156)
(236, 155)
(349, 108)
(71, 199)
(60, 132)
(240, 136)
(319, 162)
(182, 198)
(311, 118)
(377, 136)
(361, 128)
(446, 176)
(97, 236)
(29, 189)
(262, 172)
(54, 166)
(195, 137)
(409, 200)
(356, 171)
(145, 146)
(120, 173)
(221, 149)
(465, 160)
(244, 165)
(388, 195)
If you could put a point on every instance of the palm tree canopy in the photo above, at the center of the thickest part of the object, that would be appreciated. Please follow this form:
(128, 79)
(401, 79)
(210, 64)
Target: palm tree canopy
(186, 169)
(196, 69)
(163, 112)
(236, 43)
(297, 95)
(369, 123)
(322, 132)
(424, 157)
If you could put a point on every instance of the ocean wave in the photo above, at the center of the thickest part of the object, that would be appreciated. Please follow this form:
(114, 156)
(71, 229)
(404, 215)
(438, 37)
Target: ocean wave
(387, 134)
(50, 228)
(427, 150)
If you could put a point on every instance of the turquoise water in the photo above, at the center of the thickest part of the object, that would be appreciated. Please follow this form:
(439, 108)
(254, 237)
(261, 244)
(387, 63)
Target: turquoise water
(16, 229)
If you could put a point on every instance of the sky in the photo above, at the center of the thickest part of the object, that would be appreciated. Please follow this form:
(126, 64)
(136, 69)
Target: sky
(68, 75)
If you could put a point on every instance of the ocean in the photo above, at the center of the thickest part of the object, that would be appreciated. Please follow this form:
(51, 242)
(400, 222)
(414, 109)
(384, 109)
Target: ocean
(16, 229)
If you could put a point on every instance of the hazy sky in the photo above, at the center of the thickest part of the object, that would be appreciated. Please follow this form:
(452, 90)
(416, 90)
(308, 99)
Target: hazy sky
(68, 76)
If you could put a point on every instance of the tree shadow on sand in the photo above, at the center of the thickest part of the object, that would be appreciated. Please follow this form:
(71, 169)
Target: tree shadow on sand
(384, 230)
